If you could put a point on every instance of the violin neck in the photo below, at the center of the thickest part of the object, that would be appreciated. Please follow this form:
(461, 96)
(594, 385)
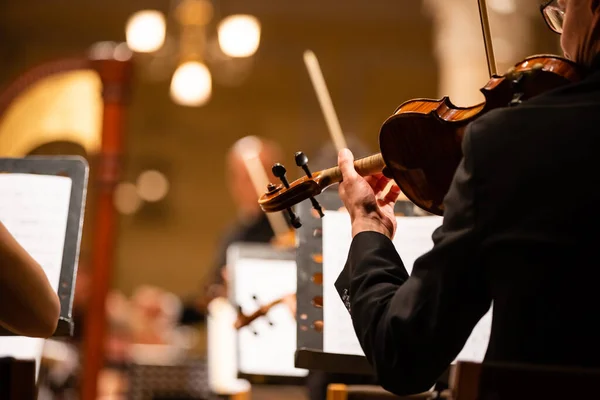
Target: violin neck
(364, 166)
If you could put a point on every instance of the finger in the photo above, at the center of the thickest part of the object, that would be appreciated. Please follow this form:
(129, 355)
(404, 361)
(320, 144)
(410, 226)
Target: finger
(346, 164)
(371, 180)
(380, 184)
(375, 176)
(392, 195)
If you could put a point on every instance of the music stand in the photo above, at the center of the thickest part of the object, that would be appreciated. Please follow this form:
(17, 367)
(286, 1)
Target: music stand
(311, 335)
(256, 262)
(75, 168)
(309, 259)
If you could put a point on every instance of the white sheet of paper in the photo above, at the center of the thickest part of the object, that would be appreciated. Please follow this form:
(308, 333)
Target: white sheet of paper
(34, 209)
(412, 239)
(271, 350)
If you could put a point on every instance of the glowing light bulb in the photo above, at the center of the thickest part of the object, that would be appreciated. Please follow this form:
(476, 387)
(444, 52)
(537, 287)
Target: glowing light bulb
(145, 31)
(239, 35)
(191, 84)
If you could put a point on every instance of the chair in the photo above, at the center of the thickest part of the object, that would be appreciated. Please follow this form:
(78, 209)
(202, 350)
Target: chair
(336, 391)
(496, 381)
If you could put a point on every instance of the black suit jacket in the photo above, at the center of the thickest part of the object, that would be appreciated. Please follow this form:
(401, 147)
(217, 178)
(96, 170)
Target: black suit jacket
(520, 229)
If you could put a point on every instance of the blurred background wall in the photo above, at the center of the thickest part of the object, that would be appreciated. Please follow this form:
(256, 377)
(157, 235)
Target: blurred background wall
(374, 55)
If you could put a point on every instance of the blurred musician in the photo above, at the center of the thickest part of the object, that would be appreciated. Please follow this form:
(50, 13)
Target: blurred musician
(251, 224)
(28, 304)
(506, 236)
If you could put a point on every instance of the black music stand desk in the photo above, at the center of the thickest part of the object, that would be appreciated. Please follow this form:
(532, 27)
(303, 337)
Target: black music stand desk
(76, 169)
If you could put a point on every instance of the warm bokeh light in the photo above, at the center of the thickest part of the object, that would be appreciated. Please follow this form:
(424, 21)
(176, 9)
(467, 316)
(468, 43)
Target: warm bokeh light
(145, 31)
(60, 107)
(503, 6)
(239, 35)
(191, 84)
(152, 185)
(248, 147)
(126, 199)
(122, 52)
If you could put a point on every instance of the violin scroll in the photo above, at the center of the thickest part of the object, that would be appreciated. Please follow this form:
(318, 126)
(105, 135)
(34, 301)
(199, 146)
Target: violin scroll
(299, 190)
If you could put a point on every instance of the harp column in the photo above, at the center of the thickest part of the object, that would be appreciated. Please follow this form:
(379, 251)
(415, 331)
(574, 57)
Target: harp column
(116, 77)
(459, 43)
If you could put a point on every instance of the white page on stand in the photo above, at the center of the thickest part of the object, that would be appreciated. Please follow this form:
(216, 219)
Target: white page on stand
(266, 349)
(34, 209)
(412, 239)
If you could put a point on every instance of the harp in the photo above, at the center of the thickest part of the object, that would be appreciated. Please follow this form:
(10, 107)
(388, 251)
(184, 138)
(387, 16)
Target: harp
(80, 101)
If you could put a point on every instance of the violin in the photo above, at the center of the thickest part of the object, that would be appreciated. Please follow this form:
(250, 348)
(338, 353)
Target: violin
(421, 142)
(245, 320)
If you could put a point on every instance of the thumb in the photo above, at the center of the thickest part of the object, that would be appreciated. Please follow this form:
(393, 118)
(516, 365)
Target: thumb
(346, 164)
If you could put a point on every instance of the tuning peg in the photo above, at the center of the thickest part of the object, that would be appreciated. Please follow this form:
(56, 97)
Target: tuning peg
(317, 206)
(266, 316)
(302, 162)
(294, 220)
(279, 172)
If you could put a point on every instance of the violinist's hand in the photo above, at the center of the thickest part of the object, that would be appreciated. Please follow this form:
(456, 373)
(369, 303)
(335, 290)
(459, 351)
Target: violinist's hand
(361, 196)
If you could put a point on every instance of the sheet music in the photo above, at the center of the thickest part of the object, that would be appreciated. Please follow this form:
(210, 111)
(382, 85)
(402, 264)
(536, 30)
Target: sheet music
(271, 350)
(34, 209)
(412, 239)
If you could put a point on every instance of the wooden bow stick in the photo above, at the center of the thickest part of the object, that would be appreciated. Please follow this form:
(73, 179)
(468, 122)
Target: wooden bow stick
(333, 123)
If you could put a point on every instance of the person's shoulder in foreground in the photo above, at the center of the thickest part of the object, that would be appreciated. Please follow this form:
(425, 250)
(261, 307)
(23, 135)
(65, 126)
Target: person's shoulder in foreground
(504, 150)
(29, 306)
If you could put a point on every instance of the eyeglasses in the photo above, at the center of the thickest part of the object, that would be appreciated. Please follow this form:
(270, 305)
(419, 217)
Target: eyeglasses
(553, 14)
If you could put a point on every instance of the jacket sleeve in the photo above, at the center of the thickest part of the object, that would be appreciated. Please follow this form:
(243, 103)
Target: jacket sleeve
(412, 327)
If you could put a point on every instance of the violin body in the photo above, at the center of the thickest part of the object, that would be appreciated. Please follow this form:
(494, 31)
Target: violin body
(421, 142)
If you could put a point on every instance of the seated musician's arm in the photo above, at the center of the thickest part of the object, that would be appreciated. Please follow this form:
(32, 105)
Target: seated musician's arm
(411, 328)
(28, 304)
